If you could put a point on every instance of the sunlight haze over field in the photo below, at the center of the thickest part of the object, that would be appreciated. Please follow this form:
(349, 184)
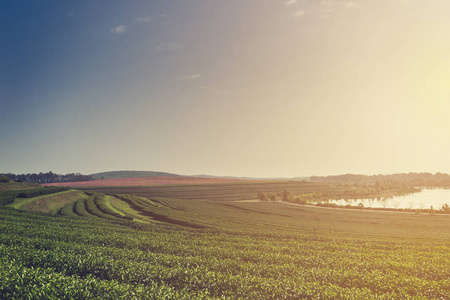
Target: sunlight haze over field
(258, 88)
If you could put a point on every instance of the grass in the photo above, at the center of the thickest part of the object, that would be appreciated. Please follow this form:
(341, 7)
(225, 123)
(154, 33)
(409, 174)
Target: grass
(19, 202)
(124, 209)
(51, 203)
(76, 203)
(109, 203)
(14, 186)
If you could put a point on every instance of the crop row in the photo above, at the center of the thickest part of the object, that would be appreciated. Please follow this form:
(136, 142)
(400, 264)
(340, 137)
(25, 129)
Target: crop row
(92, 207)
(285, 218)
(224, 192)
(7, 197)
(258, 217)
(20, 282)
(155, 211)
(44, 256)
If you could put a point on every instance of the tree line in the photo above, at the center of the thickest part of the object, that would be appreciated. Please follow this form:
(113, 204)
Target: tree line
(416, 179)
(48, 177)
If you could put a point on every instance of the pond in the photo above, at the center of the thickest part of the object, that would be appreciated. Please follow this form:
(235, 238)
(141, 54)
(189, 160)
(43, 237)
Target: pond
(423, 199)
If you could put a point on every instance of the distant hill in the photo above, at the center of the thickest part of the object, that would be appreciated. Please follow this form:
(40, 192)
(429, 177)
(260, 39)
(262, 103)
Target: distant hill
(131, 174)
(137, 174)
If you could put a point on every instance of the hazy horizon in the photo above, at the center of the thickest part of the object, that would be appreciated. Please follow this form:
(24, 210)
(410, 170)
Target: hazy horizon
(228, 88)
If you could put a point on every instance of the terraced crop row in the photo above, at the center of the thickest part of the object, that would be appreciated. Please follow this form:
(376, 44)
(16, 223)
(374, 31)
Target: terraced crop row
(157, 212)
(287, 218)
(8, 196)
(92, 207)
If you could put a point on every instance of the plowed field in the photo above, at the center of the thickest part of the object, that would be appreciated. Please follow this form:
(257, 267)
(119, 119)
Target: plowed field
(140, 181)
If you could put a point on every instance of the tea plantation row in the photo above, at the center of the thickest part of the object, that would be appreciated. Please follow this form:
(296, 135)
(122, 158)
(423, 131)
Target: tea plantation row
(57, 257)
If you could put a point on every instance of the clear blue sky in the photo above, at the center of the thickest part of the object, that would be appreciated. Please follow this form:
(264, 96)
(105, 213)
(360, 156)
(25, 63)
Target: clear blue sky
(244, 88)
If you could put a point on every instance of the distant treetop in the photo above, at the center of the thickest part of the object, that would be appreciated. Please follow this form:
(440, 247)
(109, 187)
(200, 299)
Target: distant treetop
(4, 178)
(48, 177)
(409, 178)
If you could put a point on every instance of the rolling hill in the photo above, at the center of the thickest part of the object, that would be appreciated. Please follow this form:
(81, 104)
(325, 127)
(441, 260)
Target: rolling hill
(131, 174)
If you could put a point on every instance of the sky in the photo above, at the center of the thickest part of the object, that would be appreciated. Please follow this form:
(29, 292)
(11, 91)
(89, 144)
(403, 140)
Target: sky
(258, 88)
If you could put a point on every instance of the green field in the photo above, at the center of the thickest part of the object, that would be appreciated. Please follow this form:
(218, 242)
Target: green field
(197, 248)
(51, 203)
(14, 186)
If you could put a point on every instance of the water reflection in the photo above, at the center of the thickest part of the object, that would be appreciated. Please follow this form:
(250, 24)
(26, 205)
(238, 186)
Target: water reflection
(421, 200)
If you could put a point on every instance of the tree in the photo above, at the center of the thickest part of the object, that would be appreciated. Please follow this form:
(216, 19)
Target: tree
(272, 197)
(299, 200)
(262, 196)
(4, 178)
(287, 196)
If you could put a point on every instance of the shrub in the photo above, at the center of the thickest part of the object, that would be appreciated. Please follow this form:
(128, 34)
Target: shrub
(4, 178)
(299, 200)
(272, 196)
(262, 196)
(287, 196)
